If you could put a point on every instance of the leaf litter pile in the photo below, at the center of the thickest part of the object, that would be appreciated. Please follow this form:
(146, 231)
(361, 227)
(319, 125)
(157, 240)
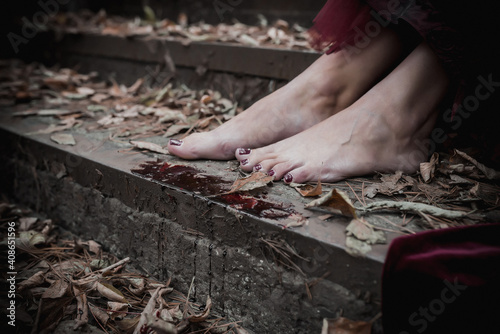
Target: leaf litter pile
(64, 283)
(73, 101)
(278, 34)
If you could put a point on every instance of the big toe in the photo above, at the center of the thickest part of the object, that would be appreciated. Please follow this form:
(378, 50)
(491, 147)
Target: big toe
(200, 146)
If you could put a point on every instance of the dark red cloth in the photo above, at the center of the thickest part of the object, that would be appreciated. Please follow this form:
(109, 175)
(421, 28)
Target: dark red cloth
(444, 281)
(461, 33)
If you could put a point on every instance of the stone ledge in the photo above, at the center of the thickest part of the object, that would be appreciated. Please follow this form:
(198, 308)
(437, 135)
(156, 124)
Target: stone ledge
(170, 231)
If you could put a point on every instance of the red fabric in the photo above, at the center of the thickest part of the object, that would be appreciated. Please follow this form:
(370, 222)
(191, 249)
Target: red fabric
(444, 281)
(337, 24)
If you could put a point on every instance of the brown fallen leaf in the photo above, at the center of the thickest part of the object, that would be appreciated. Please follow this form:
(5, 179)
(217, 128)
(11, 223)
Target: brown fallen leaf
(26, 223)
(110, 292)
(99, 97)
(58, 289)
(254, 181)
(427, 169)
(101, 316)
(144, 145)
(35, 280)
(63, 139)
(489, 172)
(362, 231)
(345, 326)
(116, 310)
(203, 315)
(82, 316)
(310, 190)
(487, 192)
(135, 87)
(335, 199)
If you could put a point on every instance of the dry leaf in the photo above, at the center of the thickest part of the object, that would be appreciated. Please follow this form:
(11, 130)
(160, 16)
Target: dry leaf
(99, 97)
(26, 223)
(85, 91)
(203, 315)
(63, 139)
(149, 146)
(35, 280)
(158, 325)
(489, 172)
(254, 181)
(310, 190)
(58, 289)
(487, 192)
(362, 231)
(110, 292)
(175, 129)
(427, 169)
(101, 316)
(345, 326)
(356, 247)
(135, 87)
(335, 199)
(117, 309)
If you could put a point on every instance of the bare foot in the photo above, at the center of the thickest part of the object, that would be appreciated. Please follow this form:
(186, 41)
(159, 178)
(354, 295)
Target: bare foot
(329, 85)
(383, 131)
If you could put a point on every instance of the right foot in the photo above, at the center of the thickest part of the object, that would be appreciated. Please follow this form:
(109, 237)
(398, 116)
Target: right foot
(329, 85)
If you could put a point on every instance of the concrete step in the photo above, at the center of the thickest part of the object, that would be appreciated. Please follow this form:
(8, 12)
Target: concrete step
(173, 229)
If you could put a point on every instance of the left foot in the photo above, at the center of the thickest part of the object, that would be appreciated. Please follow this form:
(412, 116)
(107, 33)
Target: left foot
(384, 131)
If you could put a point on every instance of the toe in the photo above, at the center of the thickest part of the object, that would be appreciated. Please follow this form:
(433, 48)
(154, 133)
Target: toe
(201, 146)
(280, 170)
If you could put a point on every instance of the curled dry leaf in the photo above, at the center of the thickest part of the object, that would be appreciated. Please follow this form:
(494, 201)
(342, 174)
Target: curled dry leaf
(489, 172)
(110, 292)
(427, 169)
(203, 315)
(82, 316)
(337, 200)
(308, 190)
(149, 146)
(30, 239)
(116, 310)
(101, 316)
(27, 223)
(254, 181)
(345, 326)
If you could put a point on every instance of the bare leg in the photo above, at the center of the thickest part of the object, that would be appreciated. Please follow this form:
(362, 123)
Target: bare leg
(382, 131)
(329, 85)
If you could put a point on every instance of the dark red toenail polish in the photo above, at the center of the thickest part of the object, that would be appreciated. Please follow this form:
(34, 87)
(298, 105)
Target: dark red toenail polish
(244, 151)
(244, 162)
(175, 142)
(271, 173)
(288, 178)
(257, 167)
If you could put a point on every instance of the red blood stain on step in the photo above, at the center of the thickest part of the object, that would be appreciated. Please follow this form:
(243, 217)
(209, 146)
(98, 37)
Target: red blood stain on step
(192, 179)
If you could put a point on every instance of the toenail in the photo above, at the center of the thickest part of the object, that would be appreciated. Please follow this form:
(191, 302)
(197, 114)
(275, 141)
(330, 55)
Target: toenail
(257, 167)
(244, 151)
(244, 162)
(175, 142)
(288, 178)
(271, 173)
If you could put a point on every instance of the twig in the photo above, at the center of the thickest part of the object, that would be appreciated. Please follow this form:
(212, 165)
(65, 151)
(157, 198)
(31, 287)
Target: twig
(187, 298)
(357, 197)
(416, 207)
(398, 226)
(113, 266)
